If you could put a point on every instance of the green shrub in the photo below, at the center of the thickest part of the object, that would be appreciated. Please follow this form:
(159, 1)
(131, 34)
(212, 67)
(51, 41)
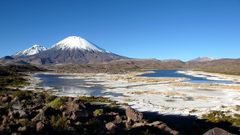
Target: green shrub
(12, 81)
(96, 99)
(59, 123)
(22, 94)
(236, 120)
(56, 103)
(98, 112)
(24, 122)
(220, 116)
(49, 98)
(217, 116)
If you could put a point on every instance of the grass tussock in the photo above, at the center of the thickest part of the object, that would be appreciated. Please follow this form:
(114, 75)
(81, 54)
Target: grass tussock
(220, 116)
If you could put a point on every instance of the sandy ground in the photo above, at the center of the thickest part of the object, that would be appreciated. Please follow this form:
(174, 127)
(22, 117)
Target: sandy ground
(163, 95)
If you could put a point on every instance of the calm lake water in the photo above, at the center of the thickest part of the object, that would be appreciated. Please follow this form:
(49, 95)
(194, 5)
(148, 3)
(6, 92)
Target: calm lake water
(81, 87)
(72, 86)
(192, 79)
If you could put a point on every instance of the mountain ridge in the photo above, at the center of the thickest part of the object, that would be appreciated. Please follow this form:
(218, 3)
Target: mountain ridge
(72, 49)
(202, 59)
(35, 49)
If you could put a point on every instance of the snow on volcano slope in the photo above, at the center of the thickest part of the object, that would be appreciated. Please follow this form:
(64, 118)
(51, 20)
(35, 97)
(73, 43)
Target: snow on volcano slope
(75, 50)
(77, 43)
(35, 49)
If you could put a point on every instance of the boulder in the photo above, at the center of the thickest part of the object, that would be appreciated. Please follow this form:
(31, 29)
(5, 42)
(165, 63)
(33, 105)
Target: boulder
(22, 129)
(20, 113)
(23, 101)
(12, 114)
(49, 111)
(113, 114)
(5, 120)
(118, 119)
(71, 107)
(39, 99)
(163, 127)
(3, 111)
(15, 99)
(74, 109)
(217, 131)
(79, 114)
(70, 99)
(39, 117)
(17, 106)
(110, 126)
(157, 125)
(136, 125)
(133, 115)
(40, 126)
(6, 99)
(76, 104)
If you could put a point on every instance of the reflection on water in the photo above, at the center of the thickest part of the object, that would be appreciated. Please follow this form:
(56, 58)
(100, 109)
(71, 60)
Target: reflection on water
(72, 86)
(192, 79)
(77, 86)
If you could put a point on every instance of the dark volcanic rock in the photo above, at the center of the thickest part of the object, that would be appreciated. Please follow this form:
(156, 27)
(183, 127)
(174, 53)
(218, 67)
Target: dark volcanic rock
(54, 56)
(79, 114)
(3, 111)
(49, 111)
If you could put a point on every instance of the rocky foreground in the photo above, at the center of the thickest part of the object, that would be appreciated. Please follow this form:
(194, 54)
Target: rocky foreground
(24, 112)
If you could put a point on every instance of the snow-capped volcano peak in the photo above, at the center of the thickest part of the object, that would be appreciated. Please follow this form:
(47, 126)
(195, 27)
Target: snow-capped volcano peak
(203, 59)
(35, 49)
(76, 42)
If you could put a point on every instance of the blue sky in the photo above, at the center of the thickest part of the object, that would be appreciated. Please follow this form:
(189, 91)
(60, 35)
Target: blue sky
(163, 29)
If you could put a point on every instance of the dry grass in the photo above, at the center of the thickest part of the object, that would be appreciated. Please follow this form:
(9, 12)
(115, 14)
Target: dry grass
(207, 86)
(135, 78)
(168, 93)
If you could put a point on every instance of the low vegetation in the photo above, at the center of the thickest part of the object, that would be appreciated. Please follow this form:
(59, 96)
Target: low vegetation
(121, 66)
(98, 112)
(221, 116)
(12, 75)
(56, 103)
(224, 66)
(96, 99)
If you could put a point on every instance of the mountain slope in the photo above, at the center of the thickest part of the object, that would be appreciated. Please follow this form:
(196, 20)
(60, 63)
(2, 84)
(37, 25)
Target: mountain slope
(76, 43)
(202, 59)
(75, 50)
(35, 49)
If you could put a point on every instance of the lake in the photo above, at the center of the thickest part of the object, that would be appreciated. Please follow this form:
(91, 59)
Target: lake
(73, 86)
(165, 98)
(192, 79)
(78, 86)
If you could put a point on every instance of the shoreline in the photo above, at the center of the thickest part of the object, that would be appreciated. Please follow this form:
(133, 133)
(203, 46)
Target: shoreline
(156, 95)
(211, 76)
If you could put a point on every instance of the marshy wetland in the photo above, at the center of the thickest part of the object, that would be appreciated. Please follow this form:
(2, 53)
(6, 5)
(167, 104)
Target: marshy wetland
(162, 91)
